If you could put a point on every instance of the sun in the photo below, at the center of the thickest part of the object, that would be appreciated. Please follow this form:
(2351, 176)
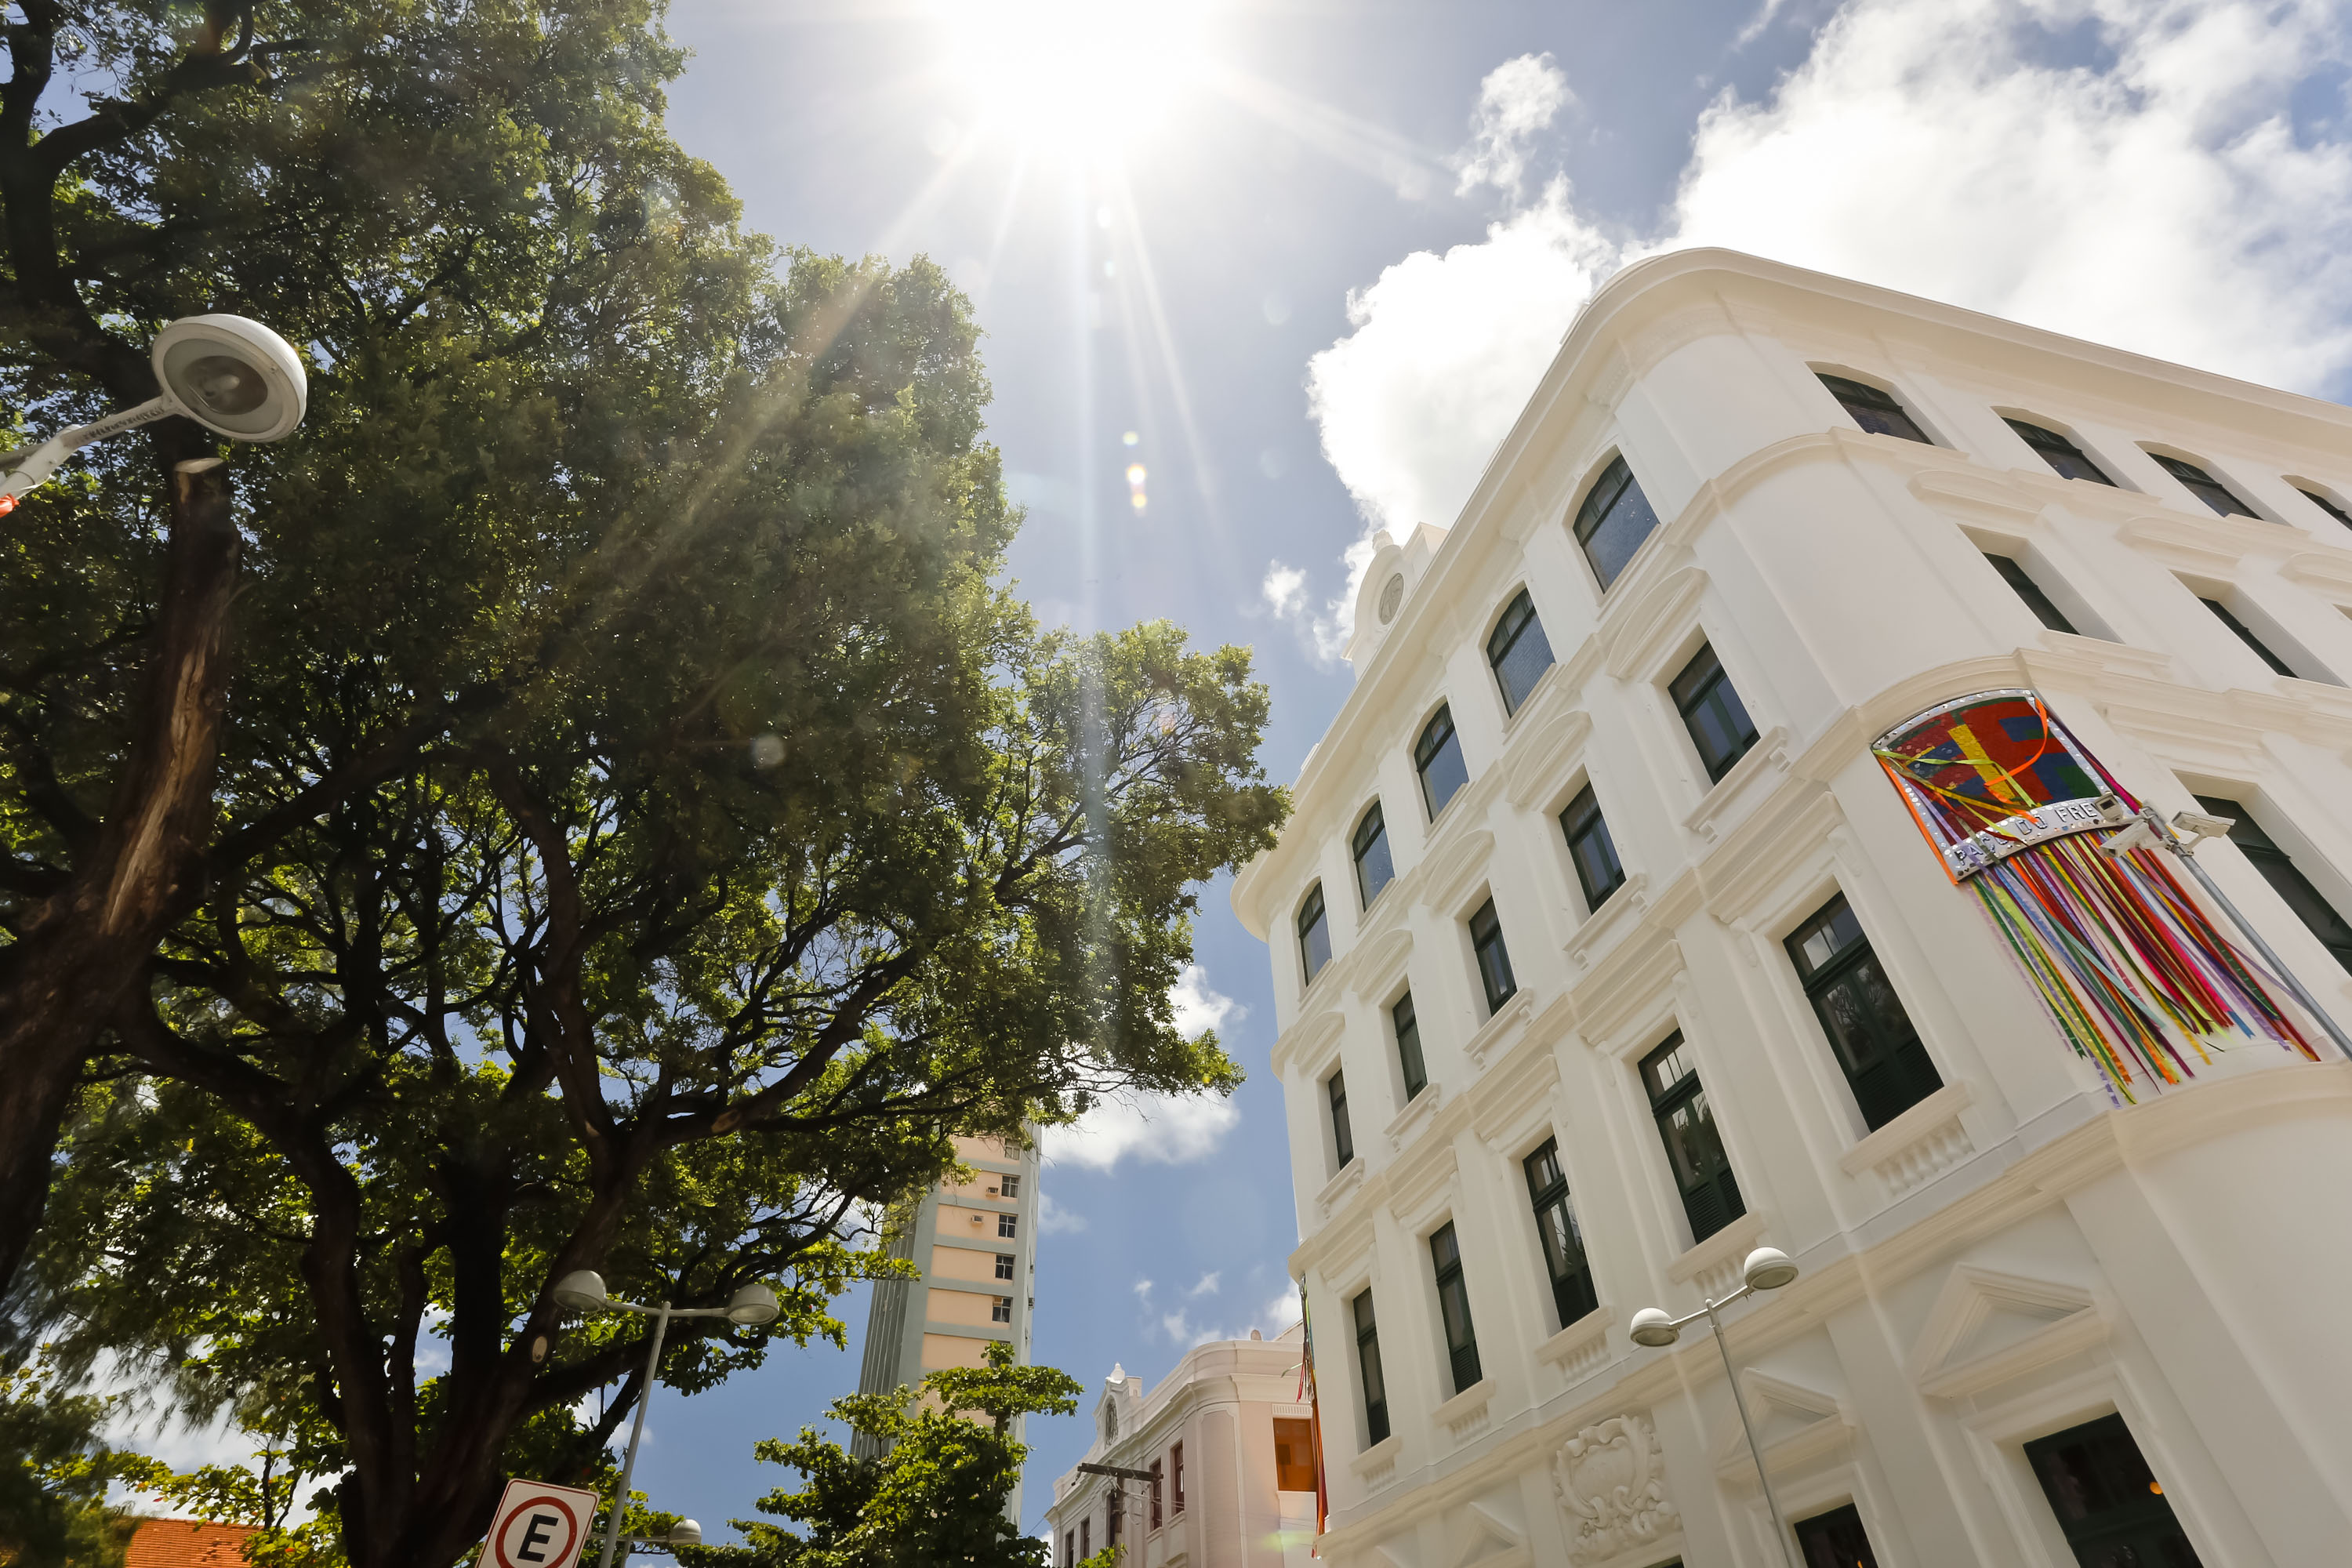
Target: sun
(1077, 74)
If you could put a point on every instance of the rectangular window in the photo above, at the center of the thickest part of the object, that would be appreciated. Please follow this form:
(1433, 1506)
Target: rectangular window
(1407, 1039)
(1711, 712)
(1374, 867)
(2067, 461)
(1454, 1308)
(1087, 1537)
(1518, 651)
(1368, 1367)
(1572, 1293)
(2110, 1506)
(2027, 589)
(1437, 757)
(1294, 1455)
(1176, 1479)
(1001, 1309)
(2278, 869)
(1494, 958)
(1835, 1540)
(2246, 635)
(1874, 410)
(1598, 871)
(2329, 507)
(1872, 1035)
(1069, 1547)
(1007, 1226)
(1156, 1518)
(1005, 1266)
(1615, 520)
(2204, 486)
(1114, 1514)
(1008, 1186)
(1694, 1147)
(1314, 935)
(1343, 1134)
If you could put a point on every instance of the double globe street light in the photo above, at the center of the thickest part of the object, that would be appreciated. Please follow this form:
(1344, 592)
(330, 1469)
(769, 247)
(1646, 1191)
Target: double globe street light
(582, 1291)
(1766, 1269)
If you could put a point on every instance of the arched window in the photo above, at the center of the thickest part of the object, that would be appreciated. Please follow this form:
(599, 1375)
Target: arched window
(1874, 410)
(1613, 521)
(2204, 486)
(1437, 757)
(1314, 933)
(2067, 461)
(1518, 651)
(1374, 867)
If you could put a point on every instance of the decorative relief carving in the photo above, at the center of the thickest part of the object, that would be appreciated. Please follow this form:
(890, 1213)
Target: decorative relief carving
(1611, 1482)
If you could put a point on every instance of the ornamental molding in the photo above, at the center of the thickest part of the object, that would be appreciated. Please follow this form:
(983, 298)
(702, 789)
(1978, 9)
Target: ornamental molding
(1611, 1483)
(1542, 762)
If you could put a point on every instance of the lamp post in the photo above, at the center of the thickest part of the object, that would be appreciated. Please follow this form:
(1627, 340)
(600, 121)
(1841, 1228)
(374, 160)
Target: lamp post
(582, 1291)
(1766, 1269)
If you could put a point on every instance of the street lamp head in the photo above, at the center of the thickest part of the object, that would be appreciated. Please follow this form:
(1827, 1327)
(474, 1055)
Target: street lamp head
(752, 1305)
(582, 1291)
(232, 376)
(1767, 1269)
(686, 1532)
(1651, 1326)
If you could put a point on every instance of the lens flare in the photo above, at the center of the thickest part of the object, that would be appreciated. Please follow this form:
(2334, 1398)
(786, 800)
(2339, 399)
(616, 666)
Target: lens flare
(1084, 75)
(1135, 477)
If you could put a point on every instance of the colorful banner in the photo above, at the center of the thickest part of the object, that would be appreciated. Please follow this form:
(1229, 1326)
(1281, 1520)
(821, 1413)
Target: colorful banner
(2130, 966)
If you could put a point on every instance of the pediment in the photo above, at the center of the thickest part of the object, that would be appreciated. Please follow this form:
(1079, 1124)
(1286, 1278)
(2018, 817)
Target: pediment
(1449, 881)
(1375, 961)
(1978, 498)
(1487, 1540)
(1987, 1327)
(1640, 634)
(1544, 757)
(1795, 1425)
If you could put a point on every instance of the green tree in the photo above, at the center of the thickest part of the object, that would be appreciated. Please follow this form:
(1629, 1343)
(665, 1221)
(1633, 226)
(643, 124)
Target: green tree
(54, 1472)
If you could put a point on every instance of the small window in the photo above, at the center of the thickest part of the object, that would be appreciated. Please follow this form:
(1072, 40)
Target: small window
(1454, 1308)
(1008, 1186)
(2110, 1506)
(1176, 1479)
(1001, 1309)
(1573, 1292)
(1085, 1536)
(1518, 651)
(1005, 1266)
(1882, 1054)
(2204, 486)
(1437, 757)
(1314, 935)
(1007, 1227)
(1069, 1549)
(1375, 870)
(2329, 507)
(1598, 871)
(1494, 958)
(2027, 589)
(1694, 1146)
(1157, 1519)
(1343, 1136)
(2222, 612)
(1294, 1455)
(1874, 410)
(2278, 869)
(1711, 712)
(1615, 520)
(1114, 1515)
(2066, 459)
(1368, 1368)
(1835, 1540)
(1408, 1040)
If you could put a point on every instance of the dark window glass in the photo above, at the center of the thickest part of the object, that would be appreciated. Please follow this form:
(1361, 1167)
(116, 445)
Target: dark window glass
(1113, 1510)
(2246, 635)
(1007, 1227)
(1314, 933)
(2204, 486)
(2279, 871)
(1881, 1053)
(1711, 712)
(1453, 1307)
(1001, 1309)
(1874, 410)
(2110, 1506)
(1005, 1266)
(1613, 521)
(1693, 1148)
(1375, 870)
(1407, 1039)
(1008, 1186)
(1835, 1540)
(1176, 1479)
(1589, 845)
(1070, 1548)
(1367, 1365)
(1156, 1516)
(1087, 1537)
(2066, 459)
(2329, 507)
(1572, 1293)
(1494, 960)
(2027, 589)
(1294, 1455)
(1343, 1136)
(1437, 756)
(1519, 651)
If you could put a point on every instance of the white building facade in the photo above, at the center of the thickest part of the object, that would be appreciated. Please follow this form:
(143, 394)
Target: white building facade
(1605, 952)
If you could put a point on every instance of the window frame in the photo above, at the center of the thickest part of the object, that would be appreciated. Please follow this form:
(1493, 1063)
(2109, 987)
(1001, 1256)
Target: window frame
(1371, 1377)
(1302, 1433)
(1454, 1308)
(2059, 445)
(1413, 1065)
(1008, 1227)
(2197, 479)
(1008, 1186)
(1342, 1126)
(1701, 694)
(1902, 1063)
(1572, 1284)
(2012, 571)
(1880, 404)
(1479, 952)
(1176, 1477)
(1595, 823)
(1426, 751)
(1497, 658)
(1311, 926)
(1008, 1266)
(1821, 1522)
(1665, 1100)
(1158, 1518)
(2276, 865)
(1358, 847)
(1592, 515)
(2325, 503)
(2142, 1518)
(1000, 1309)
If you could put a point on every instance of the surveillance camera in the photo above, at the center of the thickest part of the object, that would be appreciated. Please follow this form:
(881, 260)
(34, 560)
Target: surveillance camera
(2138, 835)
(2198, 824)
(232, 376)
(2110, 809)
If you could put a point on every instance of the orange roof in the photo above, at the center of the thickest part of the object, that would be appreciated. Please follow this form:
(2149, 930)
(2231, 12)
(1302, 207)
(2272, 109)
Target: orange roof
(186, 1544)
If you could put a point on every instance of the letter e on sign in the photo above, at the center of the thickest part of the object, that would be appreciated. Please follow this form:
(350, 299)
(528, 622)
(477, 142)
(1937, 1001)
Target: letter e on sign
(539, 1525)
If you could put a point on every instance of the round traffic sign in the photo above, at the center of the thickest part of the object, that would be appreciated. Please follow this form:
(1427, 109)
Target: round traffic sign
(541, 1532)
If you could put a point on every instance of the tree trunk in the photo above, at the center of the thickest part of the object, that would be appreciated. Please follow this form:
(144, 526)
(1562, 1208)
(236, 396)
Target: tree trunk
(85, 945)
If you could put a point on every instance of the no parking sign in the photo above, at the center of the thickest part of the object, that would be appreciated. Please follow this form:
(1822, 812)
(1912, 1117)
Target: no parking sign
(539, 1525)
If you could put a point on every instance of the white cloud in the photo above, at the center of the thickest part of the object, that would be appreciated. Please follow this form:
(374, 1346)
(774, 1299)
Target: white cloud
(2158, 193)
(1143, 1288)
(1053, 1220)
(1518, 98)
(1207, 1286)
(1285, 589)
(1184, 1330)
(1155, 1129)
(1197, 1008)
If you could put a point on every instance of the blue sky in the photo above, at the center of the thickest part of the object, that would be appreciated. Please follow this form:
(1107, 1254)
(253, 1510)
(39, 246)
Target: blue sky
(1316, 276)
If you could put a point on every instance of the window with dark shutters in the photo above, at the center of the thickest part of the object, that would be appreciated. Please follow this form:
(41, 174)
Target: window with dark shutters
(1695, 1148)
(1454, 1308)
(1881, 1054)
(1573, 1292)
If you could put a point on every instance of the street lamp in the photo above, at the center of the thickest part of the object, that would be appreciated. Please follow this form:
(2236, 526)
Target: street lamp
(582, 1291)
(235, 377)
(1766, 1269)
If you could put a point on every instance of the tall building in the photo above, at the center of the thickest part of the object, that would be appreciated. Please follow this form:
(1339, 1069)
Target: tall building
(975, 1242)
(1620, 930)
(1226, 1440)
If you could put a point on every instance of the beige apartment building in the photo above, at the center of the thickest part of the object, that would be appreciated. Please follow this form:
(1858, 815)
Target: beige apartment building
(1611, 941)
